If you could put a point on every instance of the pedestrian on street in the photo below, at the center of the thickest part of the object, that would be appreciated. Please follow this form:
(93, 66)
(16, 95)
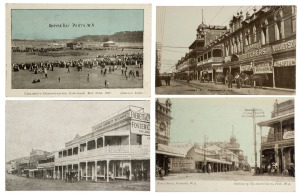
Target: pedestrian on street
(127, 174)
(209, 168)
(229, 78)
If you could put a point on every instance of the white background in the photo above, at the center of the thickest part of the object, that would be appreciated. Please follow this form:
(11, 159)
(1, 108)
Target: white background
(154, 3)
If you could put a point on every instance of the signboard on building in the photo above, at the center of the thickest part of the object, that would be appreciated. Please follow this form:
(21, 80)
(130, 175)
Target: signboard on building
(285, 46)
(139, 127)
(247, 67)
(285, 62)
(256, 45)
(140, 116)
(111, 121)
(289, 135)
(263, 68)
(256, 53)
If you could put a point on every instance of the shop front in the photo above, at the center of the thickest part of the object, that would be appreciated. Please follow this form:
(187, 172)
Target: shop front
(264, 70)
(284, 56)
(285, 72)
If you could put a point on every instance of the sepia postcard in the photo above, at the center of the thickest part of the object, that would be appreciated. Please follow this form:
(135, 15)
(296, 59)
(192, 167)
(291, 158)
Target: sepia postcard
(78, 50)
(77, 146)
(226, 50)
(227, 144)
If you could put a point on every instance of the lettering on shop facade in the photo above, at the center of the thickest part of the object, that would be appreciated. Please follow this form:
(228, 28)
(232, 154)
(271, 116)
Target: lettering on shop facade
(263, 68)
(140, 116)
(246, 67)
(252, 53)
(140, 127)
(285, 63)
(111, 121)
(256, 45)
(285, 46)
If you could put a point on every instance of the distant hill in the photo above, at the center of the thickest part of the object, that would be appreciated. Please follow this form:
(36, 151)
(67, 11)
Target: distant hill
(125, 36)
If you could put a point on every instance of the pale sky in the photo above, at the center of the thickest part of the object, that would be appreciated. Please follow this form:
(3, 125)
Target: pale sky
(214, 117)
(176, 26)
(48, 125)
(34, 24)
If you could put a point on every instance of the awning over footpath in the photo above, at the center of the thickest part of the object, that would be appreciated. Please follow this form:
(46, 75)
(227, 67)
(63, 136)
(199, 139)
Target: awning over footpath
(169, 150)
(217, 161)
(277, 119)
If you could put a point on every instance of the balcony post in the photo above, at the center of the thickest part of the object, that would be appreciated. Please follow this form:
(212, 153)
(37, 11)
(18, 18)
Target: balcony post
(130, 170)
(282, 159)
(54, 175)
(107, 170)
(96, 143)
(86, 170)
(95, 171)
(78, 174)
(280, 138)
(62, 172)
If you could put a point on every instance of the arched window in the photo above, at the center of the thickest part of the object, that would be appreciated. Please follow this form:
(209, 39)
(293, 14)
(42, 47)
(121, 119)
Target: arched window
(254, 34)
(264, 32)
(279, 25)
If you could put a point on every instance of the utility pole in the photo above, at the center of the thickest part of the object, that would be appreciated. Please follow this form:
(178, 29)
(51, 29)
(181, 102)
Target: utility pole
(254, 113)
(205, 165)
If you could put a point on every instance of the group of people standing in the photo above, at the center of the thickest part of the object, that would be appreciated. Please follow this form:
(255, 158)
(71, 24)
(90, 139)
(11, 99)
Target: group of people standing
(139, 175)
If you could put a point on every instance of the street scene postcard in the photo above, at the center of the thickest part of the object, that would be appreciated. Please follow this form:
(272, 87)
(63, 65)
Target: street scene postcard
(78, 50)
(226, 50)
(228, 144)
(95, 146)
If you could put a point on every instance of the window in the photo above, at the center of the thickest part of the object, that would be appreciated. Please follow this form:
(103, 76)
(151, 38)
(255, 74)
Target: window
(279, 26)
(139, 139)
(293, 19)
(263, 36)
(254, 34)
(278, 30)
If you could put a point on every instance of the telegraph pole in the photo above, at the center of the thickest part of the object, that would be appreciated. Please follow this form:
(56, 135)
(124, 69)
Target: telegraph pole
(253, 113)
(205, 139)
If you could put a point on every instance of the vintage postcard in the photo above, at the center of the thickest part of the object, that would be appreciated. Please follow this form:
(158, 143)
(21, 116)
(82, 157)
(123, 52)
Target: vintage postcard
(226, 50)
(78, 50)
(90, 145)
(228, 144)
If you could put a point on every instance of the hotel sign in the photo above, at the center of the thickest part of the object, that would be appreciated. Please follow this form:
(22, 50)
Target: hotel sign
(140, 127)
(140, 116)
(285, 46)
(285, 63)
(263, 68)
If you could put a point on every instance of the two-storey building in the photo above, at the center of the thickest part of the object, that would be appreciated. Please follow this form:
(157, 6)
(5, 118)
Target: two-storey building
(117, 148)
(279, 145)
(262, 43)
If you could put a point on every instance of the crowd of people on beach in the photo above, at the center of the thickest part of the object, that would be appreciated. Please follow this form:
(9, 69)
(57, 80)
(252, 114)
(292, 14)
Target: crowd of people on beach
(106, 64)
